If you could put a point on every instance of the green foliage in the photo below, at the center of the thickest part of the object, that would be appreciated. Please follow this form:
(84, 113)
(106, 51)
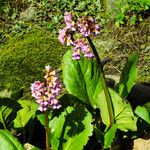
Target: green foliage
(25, 55)
(109, 136)
(28, 51)
(81, 79)
(41, 118)
(17, 94)
(27, 112)
(71, 130)
(124, 117)
(131, 11)
(143, 113)
(8, 112)
(9, 142)
(11, 7)
(128, 76)
(9, 107)
(44, 13)
(48, 14)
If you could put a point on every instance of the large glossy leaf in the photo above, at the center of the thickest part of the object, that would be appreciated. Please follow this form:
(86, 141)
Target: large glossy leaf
(8, 111)
(82, 79)
(8, 142)
(27, 112)
(143, 113)
(128, 76)
(123, 113)
(71, 130)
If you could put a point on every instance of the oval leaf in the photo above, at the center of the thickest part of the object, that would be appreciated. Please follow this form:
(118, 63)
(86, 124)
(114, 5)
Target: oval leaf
(82, 78)
(8, 142)
(71, 130)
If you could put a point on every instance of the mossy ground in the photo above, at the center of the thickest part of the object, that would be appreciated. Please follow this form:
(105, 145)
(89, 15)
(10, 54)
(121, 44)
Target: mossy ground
(24, 57)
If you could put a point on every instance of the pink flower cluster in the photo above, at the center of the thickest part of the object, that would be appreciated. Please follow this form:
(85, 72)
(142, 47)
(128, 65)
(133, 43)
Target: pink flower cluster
(46, 93)
(81, 46)
(85, 26)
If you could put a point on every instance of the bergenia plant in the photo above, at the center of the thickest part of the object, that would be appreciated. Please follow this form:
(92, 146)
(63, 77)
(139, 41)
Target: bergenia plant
(88, 112)
(83, 77)
(84, 80)
(77, 34)
(46, 94)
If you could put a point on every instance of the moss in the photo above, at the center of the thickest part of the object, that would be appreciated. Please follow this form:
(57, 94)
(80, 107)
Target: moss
(24, 57)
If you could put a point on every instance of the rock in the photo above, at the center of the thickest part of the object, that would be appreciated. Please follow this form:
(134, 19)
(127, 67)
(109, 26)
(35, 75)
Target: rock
(141, 144)
(139, 95)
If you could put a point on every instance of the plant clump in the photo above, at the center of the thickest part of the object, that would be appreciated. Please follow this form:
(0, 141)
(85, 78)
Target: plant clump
(24, 56)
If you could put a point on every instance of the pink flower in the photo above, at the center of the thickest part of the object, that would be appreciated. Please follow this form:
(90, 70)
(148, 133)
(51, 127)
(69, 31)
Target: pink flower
(81, 46)
(68, 17)
(69, 22)
(64, 36)
(84, 26)
(76, 55)
(87, 26)
(46, 93)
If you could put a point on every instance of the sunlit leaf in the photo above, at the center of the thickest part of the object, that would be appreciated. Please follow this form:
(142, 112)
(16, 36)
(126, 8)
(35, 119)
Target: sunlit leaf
(26, 113)
(8, 111)
(8, 142)
(143, 113)
(123, 113)
(71, 130)
(128, 76)
(41, 118)
(82, 79)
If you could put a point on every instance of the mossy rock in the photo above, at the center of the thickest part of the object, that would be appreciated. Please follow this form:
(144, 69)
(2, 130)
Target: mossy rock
(24, 56)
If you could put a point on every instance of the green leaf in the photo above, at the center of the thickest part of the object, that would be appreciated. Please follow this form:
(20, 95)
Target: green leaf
(128, 76)
(123, 113)
(109, 136)
(41, 116)
(8, 111)
(27, 112)
(82, 79)
(8, 142)
(71, 130)
(143, 113)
